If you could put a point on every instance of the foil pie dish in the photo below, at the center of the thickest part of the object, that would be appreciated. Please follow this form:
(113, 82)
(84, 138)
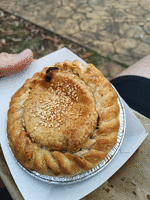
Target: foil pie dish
(72, 179)
(66, 123)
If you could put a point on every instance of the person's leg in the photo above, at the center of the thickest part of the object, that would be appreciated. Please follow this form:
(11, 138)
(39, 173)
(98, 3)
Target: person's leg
(4, 194)
(133, 85)
(141, 68)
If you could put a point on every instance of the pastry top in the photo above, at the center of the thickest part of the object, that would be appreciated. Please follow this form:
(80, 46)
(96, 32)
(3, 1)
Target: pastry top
(50, 104)
(63, 120)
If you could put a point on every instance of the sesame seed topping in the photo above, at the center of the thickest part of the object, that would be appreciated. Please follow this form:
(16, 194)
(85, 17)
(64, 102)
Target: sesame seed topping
(51, 110)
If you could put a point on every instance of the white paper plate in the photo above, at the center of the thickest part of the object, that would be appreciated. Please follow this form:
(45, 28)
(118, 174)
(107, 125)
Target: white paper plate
(32, 188)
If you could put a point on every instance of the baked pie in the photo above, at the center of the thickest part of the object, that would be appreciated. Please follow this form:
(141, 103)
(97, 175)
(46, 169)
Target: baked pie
(64, 120)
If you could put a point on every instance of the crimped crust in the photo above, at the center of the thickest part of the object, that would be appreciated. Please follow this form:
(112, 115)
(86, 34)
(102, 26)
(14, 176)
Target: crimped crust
(63, 120)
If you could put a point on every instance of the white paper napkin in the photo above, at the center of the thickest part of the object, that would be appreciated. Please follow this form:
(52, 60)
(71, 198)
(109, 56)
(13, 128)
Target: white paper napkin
(32, 188)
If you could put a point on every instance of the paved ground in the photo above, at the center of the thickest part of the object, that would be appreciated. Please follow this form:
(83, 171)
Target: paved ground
(119, 29)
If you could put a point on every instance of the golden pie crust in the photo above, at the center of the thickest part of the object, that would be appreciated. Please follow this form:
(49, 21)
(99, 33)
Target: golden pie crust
(64, 120)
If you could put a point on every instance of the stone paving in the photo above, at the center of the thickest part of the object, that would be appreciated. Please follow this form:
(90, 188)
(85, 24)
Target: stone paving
(119, 29)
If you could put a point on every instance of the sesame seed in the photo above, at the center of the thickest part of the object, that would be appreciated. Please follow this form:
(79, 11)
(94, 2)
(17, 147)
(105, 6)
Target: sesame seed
(52, 110)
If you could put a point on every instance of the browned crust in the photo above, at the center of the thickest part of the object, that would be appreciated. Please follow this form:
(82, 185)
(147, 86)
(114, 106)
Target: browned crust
(34, 157)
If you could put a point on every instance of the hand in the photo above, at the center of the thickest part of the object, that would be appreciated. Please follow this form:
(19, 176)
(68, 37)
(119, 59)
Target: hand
(12, 63)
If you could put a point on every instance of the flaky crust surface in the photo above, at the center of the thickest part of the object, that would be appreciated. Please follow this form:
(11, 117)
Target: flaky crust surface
(63, 120)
